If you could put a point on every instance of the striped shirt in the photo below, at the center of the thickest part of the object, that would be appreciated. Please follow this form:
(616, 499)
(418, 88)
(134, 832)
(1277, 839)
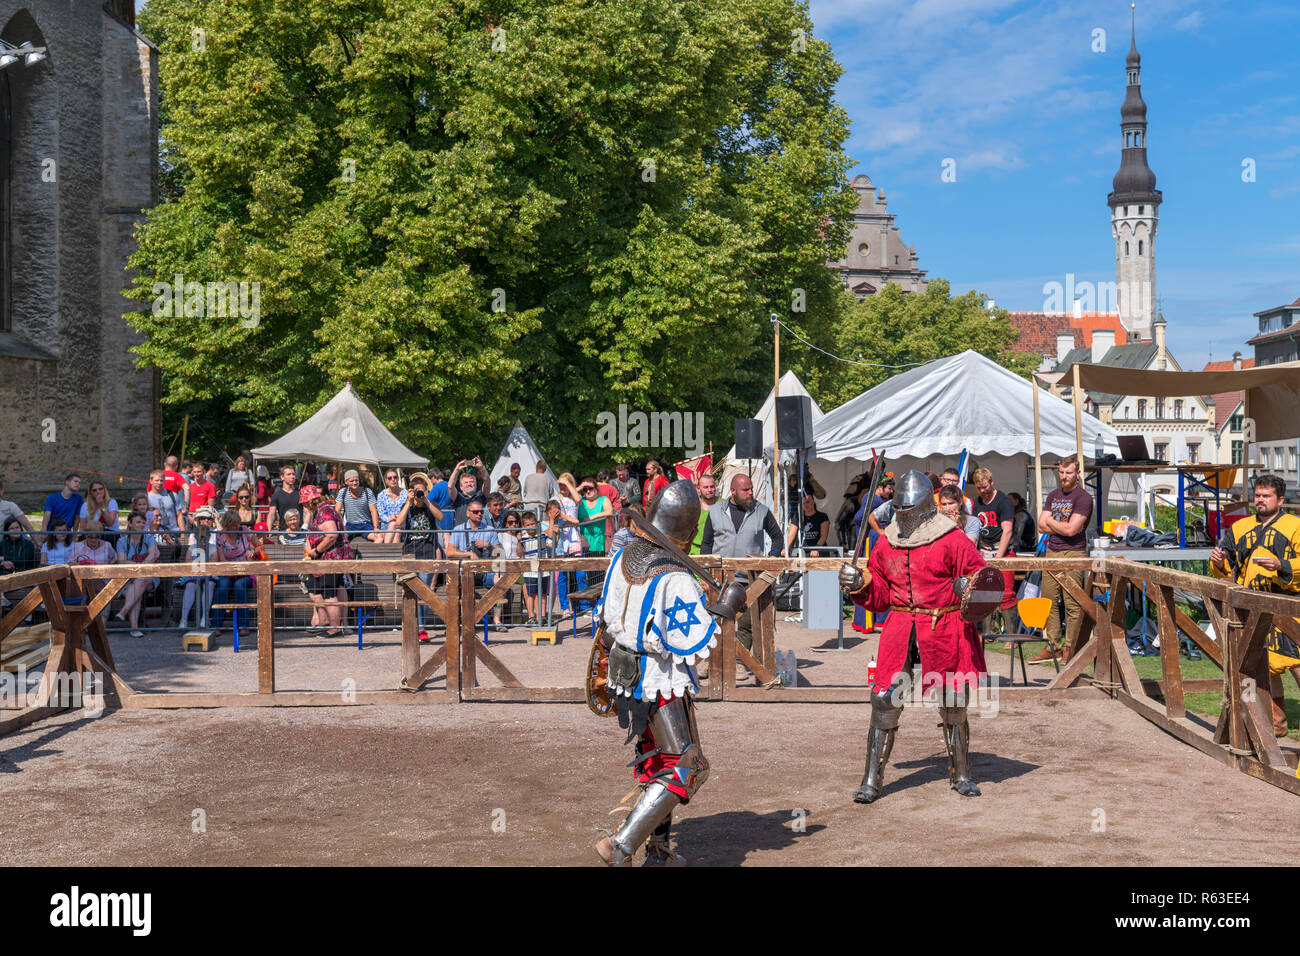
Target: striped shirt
(356, 509)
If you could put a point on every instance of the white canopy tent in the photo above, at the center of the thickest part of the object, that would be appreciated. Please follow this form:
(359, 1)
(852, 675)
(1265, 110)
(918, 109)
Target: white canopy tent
(344, 430)
(519, 449)
(759, 470)
(925, 417)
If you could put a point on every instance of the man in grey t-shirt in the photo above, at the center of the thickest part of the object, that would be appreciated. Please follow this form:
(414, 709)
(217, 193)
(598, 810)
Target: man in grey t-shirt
(539, 488)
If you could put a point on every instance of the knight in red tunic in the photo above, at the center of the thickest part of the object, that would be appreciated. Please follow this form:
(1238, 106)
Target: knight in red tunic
(918, 571)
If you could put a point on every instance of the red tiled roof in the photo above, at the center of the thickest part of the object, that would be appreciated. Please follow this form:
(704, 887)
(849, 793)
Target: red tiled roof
(1038, 330)
(1225, 403)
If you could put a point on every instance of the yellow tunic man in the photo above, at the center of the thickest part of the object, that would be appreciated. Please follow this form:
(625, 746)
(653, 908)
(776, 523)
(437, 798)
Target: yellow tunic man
(1261, 552)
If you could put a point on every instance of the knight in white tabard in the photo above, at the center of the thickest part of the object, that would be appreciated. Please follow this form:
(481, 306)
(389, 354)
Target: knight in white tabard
(653, 622)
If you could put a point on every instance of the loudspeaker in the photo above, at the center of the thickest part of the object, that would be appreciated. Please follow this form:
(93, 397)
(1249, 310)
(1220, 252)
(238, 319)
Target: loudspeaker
(794, 427)
(749, 438)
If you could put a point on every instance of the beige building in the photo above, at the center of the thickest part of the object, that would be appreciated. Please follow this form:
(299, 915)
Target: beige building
(876, 252)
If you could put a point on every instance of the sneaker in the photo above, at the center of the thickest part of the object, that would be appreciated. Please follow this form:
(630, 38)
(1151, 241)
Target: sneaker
(137, 633)
(424, 637)
(1042, 656)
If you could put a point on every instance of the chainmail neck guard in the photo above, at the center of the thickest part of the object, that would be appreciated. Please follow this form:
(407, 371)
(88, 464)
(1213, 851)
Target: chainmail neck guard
(928, 531)
(643, 560)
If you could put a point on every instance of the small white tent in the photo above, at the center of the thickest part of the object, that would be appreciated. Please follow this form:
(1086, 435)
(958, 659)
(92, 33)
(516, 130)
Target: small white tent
(521, 450)
(925, 417)
(758, 469)
(345, 430)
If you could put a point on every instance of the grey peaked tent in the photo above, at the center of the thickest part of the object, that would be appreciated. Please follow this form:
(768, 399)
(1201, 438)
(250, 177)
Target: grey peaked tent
(345, 429)
(519, 449)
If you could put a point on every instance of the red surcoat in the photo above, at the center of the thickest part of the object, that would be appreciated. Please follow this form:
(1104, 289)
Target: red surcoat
(922, 576)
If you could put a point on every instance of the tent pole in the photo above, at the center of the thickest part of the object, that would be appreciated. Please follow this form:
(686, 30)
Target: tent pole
(1038, 454)
(1077, 394)
(776, 419)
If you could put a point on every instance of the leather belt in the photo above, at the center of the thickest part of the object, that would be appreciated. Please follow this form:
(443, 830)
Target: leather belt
(934, 612)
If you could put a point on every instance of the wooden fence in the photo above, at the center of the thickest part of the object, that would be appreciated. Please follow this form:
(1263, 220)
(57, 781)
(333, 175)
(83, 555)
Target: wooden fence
(1241, 620)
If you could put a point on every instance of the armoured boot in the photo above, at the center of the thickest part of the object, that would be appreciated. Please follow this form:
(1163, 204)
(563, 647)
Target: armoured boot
(956, 736)
(655, 806)
(658, 852)
(884, 725)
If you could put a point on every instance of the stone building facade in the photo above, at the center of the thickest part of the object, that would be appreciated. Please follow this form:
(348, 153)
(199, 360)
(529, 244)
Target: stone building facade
(79, 165)
(876, 253)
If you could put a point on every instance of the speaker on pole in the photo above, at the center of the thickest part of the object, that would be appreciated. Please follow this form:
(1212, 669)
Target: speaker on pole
(749, 438)
(794, 425)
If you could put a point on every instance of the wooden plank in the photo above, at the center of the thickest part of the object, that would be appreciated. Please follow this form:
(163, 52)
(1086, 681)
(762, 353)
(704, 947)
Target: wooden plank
(282, 698)
(1205, 685)
(1089, 607)
(417, 678)
(1284, 779)
(100, 602)
(502, 583)
(9, 724)
(426, 594)
(1283, 605)
(410, 639)
(1224, 618)
(118, 682)
(1183, 730)
(52, 595)
(766, 633)
(1122, 663)
(765, 674)
(265, 635)
(33, 578)
(1073, 669)
(1259, 725)
(728, 658)
(528, 695)
(495, 665)
(97, 636)
(468, 634)
(1197, 636)
(1163, 598)
(18, 613)
(452, 639)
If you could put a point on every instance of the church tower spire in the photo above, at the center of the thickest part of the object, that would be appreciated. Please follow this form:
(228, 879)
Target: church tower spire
(1134, 206)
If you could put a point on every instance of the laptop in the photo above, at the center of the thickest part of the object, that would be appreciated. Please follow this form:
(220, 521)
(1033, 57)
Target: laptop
(1133, 450)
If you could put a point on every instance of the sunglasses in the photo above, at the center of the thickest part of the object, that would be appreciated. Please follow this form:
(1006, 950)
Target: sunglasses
(390, 477)
(244, 498)
(478, 512)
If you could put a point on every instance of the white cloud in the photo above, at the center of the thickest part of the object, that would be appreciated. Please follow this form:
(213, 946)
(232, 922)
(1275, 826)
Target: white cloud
(1190, 22)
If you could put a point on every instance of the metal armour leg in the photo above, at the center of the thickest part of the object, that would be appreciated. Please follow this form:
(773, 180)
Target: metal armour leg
(956, 736)
(655, 806)
(884, 725)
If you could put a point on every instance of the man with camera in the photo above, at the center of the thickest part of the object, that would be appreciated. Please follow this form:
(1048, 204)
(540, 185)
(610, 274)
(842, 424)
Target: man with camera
(419, 518)
(466, 486)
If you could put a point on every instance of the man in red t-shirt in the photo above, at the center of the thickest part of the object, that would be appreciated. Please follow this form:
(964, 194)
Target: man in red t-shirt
(173, 480)
(200, 491)
(655, 482)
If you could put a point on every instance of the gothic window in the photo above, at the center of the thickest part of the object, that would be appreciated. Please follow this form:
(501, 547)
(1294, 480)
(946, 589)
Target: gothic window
(1126, 210)
(1125, 247)
(1139, 247)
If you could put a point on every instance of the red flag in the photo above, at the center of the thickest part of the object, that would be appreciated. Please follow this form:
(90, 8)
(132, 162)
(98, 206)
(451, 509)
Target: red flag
(693, 468)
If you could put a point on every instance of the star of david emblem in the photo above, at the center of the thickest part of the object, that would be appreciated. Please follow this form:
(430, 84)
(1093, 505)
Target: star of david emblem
(675, 623)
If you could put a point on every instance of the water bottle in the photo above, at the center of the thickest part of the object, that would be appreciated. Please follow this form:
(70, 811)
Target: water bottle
(1098, 448)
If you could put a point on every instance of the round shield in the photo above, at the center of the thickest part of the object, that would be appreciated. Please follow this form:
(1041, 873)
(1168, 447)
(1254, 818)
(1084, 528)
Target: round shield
(982, 597)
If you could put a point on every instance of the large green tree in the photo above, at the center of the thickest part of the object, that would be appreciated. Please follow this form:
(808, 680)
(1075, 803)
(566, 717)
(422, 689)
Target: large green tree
(894, 329)
(477, 211)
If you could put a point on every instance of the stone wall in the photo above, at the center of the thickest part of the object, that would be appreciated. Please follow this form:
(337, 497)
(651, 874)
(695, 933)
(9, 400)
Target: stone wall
(71, 397)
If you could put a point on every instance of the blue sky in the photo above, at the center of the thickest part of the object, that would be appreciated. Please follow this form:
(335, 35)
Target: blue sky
(1014, 92)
